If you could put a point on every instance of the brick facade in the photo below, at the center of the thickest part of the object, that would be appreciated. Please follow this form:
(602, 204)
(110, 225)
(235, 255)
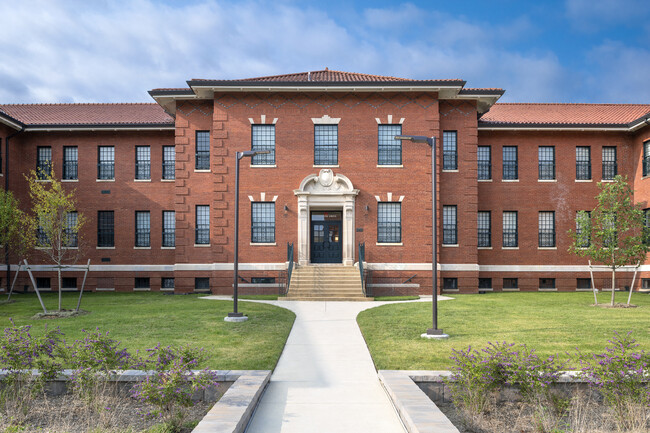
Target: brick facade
(228, 116)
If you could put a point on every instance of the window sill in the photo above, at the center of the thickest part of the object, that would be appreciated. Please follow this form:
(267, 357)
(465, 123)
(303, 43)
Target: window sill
(547, 248)
(509, 180)
(141, 180)
(450, 290)
(168, 180)
(547, 290)
(325, 166)
(509, 248)
(450, 171)
(390, 166)
(584, 290)
(202, 171)
(264, 244)
(389, 244)
(105, 180)
(450, 245)
(485, 180)
(69, 180)
(105, 248)
(202, 245)
(105, 290)
(509, 290)
(607, 180)
(167, 248)
(142, 289)
(141, 248)
(484, 248)
(264, 166)
(584, 180)
(485, 290)
(43, 180)
(547, 180)
(166, 289)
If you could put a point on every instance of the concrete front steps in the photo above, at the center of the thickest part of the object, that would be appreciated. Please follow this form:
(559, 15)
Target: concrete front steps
(326, 283)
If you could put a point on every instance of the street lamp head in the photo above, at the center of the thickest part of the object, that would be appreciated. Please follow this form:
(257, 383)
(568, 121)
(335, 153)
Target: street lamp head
(251, 153)
(416, 139)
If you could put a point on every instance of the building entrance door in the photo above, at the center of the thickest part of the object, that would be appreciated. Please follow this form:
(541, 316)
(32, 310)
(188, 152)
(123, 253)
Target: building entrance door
(326, 236)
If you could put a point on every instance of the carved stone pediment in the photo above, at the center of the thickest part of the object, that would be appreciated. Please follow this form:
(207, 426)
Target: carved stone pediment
(326, 182)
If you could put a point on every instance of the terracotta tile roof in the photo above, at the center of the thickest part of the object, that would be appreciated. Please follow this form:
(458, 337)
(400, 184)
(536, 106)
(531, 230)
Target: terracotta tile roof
(87, 114)
(327, 75)
(564, 114)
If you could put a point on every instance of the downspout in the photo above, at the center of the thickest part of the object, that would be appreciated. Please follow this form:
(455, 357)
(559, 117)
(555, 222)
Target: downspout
(22, 128)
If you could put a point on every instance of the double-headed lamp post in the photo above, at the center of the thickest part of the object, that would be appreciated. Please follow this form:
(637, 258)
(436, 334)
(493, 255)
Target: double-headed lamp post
(236, 316)
(433, 332)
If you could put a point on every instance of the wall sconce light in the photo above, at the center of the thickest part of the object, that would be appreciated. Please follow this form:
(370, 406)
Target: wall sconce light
(367, 208)
(286, 208)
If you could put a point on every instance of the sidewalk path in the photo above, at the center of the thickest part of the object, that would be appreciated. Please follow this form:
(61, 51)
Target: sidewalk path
(325, 380)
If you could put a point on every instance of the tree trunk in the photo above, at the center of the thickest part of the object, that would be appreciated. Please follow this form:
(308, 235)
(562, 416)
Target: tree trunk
(60, 291)
(613, 284)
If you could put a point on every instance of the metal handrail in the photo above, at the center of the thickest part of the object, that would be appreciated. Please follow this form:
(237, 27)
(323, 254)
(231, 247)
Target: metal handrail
(290, 263)
(362, 258)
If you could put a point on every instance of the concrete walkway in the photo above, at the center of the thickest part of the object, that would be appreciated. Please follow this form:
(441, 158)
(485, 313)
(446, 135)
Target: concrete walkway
(325, 380)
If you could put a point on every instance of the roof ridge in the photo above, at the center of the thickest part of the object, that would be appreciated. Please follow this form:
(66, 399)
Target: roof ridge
(76, 103)
(611, 104)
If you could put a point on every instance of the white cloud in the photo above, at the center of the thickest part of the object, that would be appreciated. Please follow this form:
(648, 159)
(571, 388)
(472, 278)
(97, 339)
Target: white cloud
(592, 15)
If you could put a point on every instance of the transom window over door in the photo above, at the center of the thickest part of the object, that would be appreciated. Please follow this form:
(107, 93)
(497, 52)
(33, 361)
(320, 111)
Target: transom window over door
(389, 150)
(326, 144)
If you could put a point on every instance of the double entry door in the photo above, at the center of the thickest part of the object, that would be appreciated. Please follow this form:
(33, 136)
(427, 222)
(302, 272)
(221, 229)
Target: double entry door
(326, 236)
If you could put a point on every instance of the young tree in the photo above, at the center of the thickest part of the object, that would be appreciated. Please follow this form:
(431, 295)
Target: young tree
(58, 223)
(15, 231)
(614, 233)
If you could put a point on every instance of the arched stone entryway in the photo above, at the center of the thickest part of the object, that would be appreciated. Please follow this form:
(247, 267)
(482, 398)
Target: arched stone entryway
(326, 191)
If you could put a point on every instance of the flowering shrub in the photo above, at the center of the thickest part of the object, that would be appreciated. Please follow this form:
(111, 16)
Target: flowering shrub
(173, 383)
(621, 375)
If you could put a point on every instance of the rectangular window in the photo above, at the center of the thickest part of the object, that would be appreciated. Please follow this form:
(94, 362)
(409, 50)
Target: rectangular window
(263, 280)
(583, 162)
(510, 283)
(142, 162)
(646, 158)
(41, 237)
(646, 228)
(142, 229)
(106, 162)
(582, 243)
(510, 163)
(70, 163)
(68, 283)
(484, 284)
(484, 229)
(484, 156)
(326, 144)
(105, 228)
(166, 283)
(449, 150)
(583, 283)
(263, 222)
(547, 229)
(546, 163)
(169, 228)
(169, 162)
(645, 284)
(142, 283)
(547, 283)
(449, 226)
(609, 162)
(44, 162)
(201, 284)
(263, 138)
(202, 225)
(202, 150)
(510, 229)
(450, 284)
(43, 283)
(70, 234)
(389, 222)
(389, 150)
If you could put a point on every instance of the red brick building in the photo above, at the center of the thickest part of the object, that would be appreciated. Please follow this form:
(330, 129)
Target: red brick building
(156, 181)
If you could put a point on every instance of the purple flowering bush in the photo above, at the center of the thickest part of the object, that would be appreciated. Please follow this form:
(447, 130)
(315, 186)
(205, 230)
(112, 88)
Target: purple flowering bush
(621, 374)
(172, 383)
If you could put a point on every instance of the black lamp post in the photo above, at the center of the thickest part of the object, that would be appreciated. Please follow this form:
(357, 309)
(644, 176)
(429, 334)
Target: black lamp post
(236, 316)
(431, 141)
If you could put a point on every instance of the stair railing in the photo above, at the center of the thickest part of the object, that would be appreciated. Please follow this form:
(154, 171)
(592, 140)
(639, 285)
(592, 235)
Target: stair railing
(289, 265)
(362, 258)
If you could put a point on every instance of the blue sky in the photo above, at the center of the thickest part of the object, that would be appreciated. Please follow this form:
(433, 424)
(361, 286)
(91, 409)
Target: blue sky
(114, 51)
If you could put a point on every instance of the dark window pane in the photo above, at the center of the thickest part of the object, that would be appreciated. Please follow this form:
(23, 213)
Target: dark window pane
(510, 163)
(449, 150)
(450, 283)
(583, 163)
(510, 283)
(326, 144)
(201, 283)
(484, 163)
(646, 158)
(263, 138)
(167, 283)
(105, 228)
(510, 230)
(484, 283)
(484, 229)
(142, 283)
(546, 169)
(449, 225)
(609, 163)
(70, 163)
(169, 162)
(202, 225)
(389, 149)
(142, 162)
(547, 283)
(263, 222)
(106, 162)
(389, 222)
(169, 228)
(202, 150)
(44, 162)
(547, 229)
(142, 229)
(71, 236)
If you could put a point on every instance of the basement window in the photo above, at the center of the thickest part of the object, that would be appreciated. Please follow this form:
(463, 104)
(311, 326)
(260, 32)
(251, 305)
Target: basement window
(69, 283)
(547, 283)
(583, 283)
(449, 284)
(201, 284)
(142, 283)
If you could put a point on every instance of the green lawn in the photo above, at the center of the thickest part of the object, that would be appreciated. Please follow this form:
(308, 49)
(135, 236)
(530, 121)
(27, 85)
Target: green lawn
(141, 320)
(548, 322)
